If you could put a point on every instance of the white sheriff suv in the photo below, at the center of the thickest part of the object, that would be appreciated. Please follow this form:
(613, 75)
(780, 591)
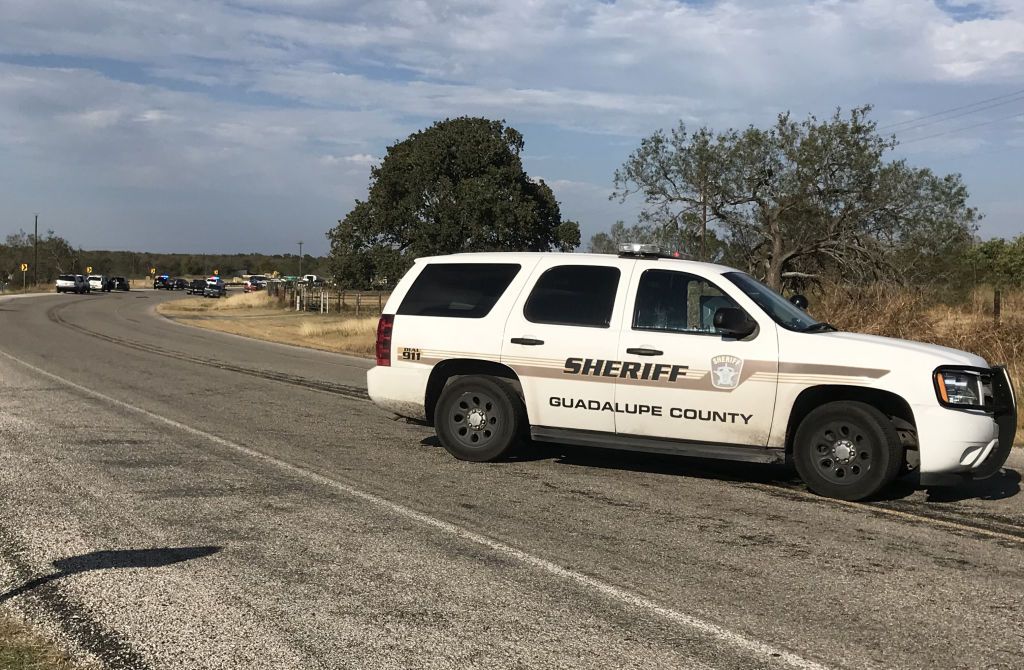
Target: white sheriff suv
(652, 353)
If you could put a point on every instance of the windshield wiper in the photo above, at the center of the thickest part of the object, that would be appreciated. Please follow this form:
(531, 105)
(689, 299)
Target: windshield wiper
(820, 327)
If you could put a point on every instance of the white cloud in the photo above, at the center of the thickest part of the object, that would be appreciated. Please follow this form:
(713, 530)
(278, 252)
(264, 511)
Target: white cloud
(297, 98)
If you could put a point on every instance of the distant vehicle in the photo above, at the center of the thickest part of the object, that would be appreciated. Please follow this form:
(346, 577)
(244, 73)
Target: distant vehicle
(161, 281)
(197, 287)
(312, 279)
(72, 284)
(118, 284)
(255, 283)
(97, 283)
(215, 288)
(177, 284)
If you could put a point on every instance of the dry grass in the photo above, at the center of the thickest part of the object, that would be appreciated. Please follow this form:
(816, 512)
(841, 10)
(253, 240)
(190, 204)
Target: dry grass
(921, 314)
(257, 315)
(21, 649)
(238, 301)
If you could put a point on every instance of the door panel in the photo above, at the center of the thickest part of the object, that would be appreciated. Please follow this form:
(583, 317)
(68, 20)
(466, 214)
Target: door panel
(692, 383)
(559, 337)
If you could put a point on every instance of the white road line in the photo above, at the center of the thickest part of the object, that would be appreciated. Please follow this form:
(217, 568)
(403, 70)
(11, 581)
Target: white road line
(739, 641)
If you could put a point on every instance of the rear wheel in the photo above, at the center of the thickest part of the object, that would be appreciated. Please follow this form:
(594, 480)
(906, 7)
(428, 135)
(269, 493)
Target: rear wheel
(479, 419)
(847, 450)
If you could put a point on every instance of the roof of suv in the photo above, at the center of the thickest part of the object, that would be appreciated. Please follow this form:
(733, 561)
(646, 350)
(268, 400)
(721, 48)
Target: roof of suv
(581, 259)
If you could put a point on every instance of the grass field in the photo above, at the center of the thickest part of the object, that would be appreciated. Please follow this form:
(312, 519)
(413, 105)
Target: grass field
(20, 649)
(258, 315)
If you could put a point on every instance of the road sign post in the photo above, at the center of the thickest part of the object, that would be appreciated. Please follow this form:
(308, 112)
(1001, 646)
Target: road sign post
(24, 271)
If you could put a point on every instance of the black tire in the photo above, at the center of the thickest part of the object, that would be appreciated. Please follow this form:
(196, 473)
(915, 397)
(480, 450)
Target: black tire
(847, 450)
(479, 419)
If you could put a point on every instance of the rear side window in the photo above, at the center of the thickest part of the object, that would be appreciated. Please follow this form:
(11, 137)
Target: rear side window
(461, 290)
(574, 295)
(66, 277)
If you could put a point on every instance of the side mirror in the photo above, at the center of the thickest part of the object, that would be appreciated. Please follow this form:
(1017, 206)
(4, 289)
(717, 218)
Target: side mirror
(733, 322)
(800, 301)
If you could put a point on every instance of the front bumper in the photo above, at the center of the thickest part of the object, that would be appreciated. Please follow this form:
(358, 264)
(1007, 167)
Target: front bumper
(967, 443)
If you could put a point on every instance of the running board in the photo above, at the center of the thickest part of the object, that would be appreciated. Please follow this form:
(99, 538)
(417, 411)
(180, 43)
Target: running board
(587, 438)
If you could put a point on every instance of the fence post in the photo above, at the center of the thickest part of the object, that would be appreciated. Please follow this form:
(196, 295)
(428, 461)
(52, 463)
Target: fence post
(359, 294)
(997, 306)
(380, 301)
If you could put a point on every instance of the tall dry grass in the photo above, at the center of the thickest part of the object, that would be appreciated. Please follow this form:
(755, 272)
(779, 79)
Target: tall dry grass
(238, 301)
(351, 334)
(927, 315)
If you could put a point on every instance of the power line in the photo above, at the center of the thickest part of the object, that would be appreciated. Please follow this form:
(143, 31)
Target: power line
(956, 116)
(952, 109)
(962, 128)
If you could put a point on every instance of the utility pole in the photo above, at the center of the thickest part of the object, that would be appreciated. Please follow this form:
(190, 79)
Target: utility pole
(704, 220)
(35, 259)
(300, 257)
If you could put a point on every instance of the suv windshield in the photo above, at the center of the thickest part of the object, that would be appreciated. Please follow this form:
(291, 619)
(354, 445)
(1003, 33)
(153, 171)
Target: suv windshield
(782, 311)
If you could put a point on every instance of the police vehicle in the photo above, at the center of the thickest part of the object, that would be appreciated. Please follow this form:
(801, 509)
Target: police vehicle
(652, 353)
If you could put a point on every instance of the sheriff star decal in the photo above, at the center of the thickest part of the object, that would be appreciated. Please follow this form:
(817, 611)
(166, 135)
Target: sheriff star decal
(725, 371)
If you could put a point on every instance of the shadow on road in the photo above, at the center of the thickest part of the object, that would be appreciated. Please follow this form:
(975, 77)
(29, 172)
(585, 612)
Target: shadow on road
(113, 560)
(1005, 484)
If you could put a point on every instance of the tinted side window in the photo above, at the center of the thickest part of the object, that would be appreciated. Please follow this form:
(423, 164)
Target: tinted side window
(677, 302)
(574, 295)
(464, 290)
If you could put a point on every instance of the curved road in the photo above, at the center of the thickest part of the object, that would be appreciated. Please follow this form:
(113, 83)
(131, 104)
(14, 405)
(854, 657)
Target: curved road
(178, 498)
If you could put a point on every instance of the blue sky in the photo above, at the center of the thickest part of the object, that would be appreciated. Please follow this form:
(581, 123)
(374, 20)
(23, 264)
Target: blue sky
(183, 125)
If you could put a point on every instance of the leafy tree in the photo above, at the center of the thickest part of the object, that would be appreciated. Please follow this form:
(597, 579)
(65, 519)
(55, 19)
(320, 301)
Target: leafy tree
(456, 186)
(801, 200)
(670, 238)
(998, 261)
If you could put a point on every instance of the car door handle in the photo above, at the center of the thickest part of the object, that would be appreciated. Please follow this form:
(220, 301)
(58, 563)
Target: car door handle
(644, 351)
(528, 341)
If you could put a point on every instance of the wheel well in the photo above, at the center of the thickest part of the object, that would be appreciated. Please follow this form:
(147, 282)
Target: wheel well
(460, 367)
(890, 404)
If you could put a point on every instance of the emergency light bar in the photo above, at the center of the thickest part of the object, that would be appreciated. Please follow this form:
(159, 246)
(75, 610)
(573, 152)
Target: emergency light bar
(637, 250)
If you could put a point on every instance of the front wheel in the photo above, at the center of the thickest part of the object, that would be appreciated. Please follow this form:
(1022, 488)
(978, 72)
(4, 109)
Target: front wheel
(479, 419)
(847, 450)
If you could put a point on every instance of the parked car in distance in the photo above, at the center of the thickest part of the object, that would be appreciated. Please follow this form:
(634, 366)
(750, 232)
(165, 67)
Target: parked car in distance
(118, 284)
(255, 283)
(72, 284)
(215, 288)
(312, 279)
(97, 283)
(177, 284)
(197, 287)
(160, 281)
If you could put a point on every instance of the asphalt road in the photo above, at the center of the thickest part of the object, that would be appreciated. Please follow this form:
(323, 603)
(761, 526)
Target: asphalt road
(177, 498)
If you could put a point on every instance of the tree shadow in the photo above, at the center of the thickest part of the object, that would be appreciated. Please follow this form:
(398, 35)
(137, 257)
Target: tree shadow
(113, 560)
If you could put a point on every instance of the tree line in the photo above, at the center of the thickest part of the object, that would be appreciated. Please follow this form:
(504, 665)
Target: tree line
(797, 202)
(58, 256)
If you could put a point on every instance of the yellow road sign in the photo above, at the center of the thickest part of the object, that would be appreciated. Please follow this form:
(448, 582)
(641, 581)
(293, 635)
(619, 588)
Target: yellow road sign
(88, 270)
(216, 272)
(24, 267)
(152, 271)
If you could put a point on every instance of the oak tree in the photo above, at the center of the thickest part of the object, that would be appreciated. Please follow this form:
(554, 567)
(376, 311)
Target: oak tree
(457, 186)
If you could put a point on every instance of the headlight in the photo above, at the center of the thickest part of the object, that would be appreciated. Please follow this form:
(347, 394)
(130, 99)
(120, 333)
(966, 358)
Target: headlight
(964, 388)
